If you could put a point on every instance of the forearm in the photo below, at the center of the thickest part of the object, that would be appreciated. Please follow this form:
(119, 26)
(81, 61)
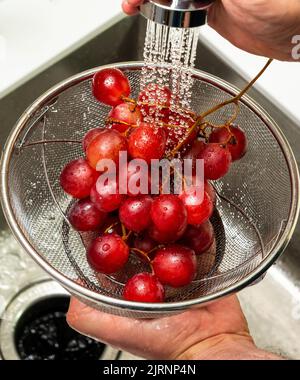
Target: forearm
(227, 347)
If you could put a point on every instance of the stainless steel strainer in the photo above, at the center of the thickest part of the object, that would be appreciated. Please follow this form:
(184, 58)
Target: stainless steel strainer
(258, 201)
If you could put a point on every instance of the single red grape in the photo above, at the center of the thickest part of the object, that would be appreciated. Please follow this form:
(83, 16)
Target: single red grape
(134, 213)
(217, 161)
(144, 287)
(89, 137)
(107, 145)
(169, 214)
(84, 216)
(198, 205)
(107, 197)
(77, 178)
(175, 265)
(126, 113)
(147, 142)
(110, 85)
(235, 141)
(108, 253)
(144, 242)
(199, 238)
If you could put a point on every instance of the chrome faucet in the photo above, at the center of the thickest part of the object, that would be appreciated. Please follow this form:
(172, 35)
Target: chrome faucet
(176, 13)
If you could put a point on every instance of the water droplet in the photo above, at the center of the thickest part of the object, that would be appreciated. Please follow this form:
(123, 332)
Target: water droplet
(167, 49)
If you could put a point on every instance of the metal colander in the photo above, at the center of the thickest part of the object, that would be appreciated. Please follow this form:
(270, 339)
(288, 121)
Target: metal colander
(257, 206)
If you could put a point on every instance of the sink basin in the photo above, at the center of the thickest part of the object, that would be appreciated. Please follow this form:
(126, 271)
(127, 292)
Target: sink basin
(272, 307)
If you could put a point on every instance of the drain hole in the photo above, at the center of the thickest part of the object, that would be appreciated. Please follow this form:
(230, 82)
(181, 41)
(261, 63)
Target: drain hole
(42, 333)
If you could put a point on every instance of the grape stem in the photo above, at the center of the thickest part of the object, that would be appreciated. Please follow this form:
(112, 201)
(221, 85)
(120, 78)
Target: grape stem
(236, 98)
(200, 120)
(111, 226)
(128, 235)
(111, 120)
(124, 232)
(141, 253)
(128, 100)
(155, 249)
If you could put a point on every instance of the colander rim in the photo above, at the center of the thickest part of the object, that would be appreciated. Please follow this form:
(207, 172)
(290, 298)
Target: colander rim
(90, 295)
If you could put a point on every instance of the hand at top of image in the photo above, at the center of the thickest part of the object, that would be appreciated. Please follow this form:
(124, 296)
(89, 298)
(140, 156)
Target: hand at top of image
(131, 6)
(264, 27)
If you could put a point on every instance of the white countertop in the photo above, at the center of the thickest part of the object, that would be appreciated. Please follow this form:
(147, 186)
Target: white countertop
(36, 33)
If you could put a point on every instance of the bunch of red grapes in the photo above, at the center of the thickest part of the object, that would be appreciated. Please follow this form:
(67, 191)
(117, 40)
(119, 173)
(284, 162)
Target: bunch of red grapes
(169, 231)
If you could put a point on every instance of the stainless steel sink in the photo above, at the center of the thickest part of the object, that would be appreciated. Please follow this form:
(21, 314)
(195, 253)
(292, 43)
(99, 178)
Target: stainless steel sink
(272, 307)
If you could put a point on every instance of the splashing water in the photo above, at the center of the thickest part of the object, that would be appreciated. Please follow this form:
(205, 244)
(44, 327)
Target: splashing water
(169, 56)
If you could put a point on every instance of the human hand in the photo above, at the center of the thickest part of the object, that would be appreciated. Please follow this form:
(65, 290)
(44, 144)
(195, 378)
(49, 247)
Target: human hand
(261, 27)
(131, 6)
(218, 331)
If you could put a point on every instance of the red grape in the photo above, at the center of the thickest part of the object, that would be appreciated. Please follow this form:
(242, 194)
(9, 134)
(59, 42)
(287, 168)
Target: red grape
(108, 253)
(164, 237)
(199, 206)
(89, 137)
(144, 242)
(199, 238)
(175, 265)
(107, 145)
(147, 142)
(235, 141)
(110, 85)
(84, 216)
(208, 188)
(107, 197)
(126, 113)
(144, 287)
(134, 213)
(169, 215)
(217, 161)
(77, 178)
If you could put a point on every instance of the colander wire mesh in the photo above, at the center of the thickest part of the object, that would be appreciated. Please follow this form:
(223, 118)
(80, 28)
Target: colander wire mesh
(253, 206)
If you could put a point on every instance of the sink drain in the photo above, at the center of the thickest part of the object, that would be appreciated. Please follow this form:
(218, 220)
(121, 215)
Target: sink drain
(42, 333)
(34, 327)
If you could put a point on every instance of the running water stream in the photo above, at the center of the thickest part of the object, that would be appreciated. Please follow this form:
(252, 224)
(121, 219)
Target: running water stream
(169, 56)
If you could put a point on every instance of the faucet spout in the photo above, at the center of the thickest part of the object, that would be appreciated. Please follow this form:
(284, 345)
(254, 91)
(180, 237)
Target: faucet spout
(177, 13)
